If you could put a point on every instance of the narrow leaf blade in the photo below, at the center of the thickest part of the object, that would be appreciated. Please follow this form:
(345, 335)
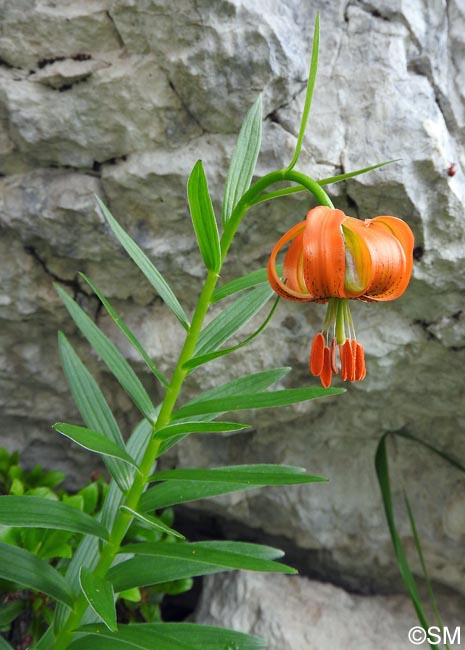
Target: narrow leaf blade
(110, 355)
(195, 426)
(100, 596)
(244, 159)
(126, 331)
(194, 362)
(382, 472)
(231, 319)
(258, 475)
(94, 441)
(93, 407)
(153, 522)
(203, 218)
(228, 555)
(309, 92)
(271, 399)
(166, 636)
(244, 282)
(173, 492)
(145, 265)
(37, 512)
(24, 568)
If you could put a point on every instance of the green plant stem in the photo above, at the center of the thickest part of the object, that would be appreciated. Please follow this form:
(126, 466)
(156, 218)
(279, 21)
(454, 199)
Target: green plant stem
(249, 199)
(123, 519)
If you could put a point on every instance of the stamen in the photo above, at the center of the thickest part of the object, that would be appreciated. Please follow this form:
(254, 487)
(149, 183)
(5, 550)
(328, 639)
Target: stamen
(360, 369)
(317, 354)
(333, 349)
(326, 373)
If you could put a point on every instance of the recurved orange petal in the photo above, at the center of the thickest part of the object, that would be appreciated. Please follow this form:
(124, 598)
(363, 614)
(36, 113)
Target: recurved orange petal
(324, 254)
(391, 264)
(275, 281)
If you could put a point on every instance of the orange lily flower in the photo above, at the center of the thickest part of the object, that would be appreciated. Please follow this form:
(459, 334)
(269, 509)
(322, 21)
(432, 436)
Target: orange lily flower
(333, 258)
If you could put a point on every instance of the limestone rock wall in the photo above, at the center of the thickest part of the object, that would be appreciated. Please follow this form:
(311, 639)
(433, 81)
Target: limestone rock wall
(120, 98)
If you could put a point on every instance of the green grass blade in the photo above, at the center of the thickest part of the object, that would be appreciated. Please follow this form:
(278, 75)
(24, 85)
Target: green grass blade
(382, 472)
(24, 568)
(145, 265)
(205, 358)
(271, 399)
(231, 319)
(110, 355)
(126, 331)
(243, 160)
(419, 549)
(309, 92)
(203, 218)
(38, 512)
(93, 441)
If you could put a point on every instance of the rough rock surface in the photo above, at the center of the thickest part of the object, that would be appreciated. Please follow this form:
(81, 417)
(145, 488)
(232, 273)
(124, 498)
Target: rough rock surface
(294, 613)
(120, 98)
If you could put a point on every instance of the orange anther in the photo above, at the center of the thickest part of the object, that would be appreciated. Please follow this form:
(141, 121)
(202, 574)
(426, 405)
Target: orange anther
(317, 354)
(326, 374)
(360, 369)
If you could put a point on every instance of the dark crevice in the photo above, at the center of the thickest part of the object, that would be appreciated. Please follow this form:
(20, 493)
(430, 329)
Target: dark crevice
(418, 253)
(186, 108)
(72, 284)
(115, 29)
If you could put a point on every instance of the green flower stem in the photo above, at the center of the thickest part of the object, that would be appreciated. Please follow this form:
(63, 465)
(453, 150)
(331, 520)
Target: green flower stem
(123, 520)
(250, 198)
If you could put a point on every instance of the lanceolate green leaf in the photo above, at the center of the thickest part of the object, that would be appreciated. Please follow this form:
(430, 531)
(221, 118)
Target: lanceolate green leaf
(94, 441)
(229, 555)
(27, 570)
(203, 218)
(170, 493)
(153, 522)
(166, 636)
(145, 265)
(258, 475)
(126, 331)
(110, 355)
(93, 407)
(37, 512)
(244, 282)
(100, 596)
(249, 384)
(205, 358)
(254, 383)
(309, 93)
(255, 401)
(231, 319)
(244, 159)
(195, 426)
